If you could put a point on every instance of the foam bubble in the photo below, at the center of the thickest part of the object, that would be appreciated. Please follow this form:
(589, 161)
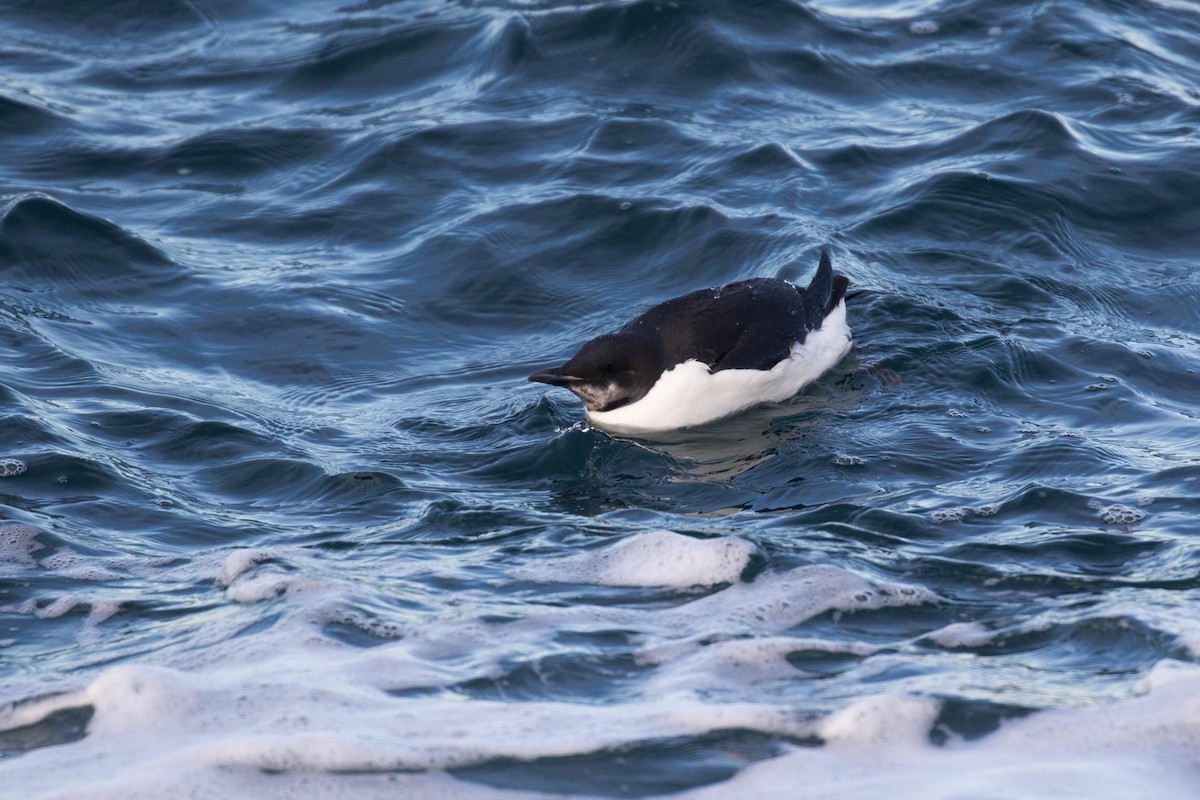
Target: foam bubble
(655, 558)
(879, 747)
(10, 467)
(102, 610)
(18, 543)
(1118, 514)
(77, 566)
(955, 514)
(1189, 640)
(28, 712)
(58, 608)
(28, 607)
(961, 634)
(737, 664)
(923, 27)
(265, 587)
(140, 698)
(239, 562)
(880, 720)
(776, 602)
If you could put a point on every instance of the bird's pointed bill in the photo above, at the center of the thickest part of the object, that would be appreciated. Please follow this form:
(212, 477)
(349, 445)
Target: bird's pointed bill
(555, 377)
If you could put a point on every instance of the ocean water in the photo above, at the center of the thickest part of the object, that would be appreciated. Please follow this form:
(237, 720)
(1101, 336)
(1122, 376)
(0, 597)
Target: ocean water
(280, 516)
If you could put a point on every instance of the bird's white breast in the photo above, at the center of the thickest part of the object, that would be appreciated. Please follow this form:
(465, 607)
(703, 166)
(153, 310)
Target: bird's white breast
(689, 395)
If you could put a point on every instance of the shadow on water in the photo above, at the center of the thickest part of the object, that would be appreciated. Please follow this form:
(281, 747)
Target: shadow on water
(720, 452)
(714, 469)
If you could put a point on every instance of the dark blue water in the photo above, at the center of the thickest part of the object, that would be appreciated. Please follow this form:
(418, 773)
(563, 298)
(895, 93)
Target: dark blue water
(272, 277)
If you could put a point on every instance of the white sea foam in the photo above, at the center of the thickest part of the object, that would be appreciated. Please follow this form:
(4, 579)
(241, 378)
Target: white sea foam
(241, 561)
(69, 564)
(156, 728)
(759, 663)
(774, 602)
(961, 634)
(880, 721)
(57, 607)
(954, 514)
(162, 732)
(1118, 514)
(17, 546)
(286, 711)
(1144, 747)
(655, 558)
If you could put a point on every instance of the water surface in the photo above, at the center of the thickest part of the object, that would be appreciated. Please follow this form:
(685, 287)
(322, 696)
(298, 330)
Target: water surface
(280, 516)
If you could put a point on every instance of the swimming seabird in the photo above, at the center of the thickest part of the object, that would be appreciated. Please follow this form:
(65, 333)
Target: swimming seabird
(710, 353)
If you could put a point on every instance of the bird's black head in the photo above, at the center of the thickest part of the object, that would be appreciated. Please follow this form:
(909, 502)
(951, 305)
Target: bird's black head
(610, 371)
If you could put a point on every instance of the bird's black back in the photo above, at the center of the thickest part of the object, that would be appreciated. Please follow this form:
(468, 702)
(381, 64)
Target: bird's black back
(750, 324)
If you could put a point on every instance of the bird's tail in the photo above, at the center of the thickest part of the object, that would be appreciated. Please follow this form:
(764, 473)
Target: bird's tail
(824, 292)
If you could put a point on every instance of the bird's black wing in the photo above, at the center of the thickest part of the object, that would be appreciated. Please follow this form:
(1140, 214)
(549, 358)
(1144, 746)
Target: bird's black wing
(781, 315)
(772, 315)
(749, 324)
